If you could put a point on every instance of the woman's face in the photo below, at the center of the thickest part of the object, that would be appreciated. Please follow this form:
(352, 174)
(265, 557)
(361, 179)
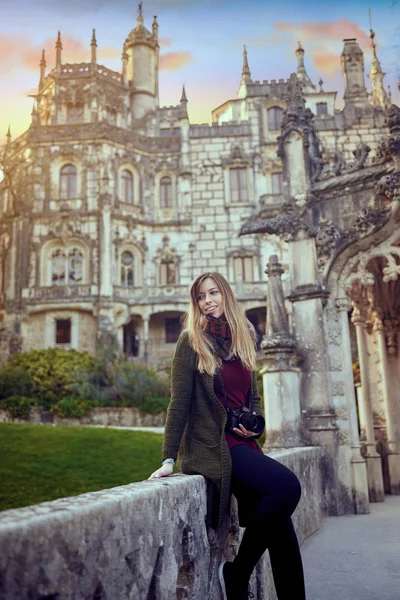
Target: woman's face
(209, 298)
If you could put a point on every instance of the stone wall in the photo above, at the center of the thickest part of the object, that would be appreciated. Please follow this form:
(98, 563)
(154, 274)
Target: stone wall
(143, 541)
(106, 417)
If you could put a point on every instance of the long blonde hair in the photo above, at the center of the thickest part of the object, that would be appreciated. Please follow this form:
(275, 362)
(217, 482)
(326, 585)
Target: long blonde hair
(243, 333)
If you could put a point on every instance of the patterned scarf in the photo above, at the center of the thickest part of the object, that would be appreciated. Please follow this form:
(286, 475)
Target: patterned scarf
(219, 334)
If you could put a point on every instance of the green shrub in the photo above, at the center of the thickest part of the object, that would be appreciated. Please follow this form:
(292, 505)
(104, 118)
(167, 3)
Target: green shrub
(51, 372)
(153, 405)
(18, 407)
(73, 406)
(15, 381)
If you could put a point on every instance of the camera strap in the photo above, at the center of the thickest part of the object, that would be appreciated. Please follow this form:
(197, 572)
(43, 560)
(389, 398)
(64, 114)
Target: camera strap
(249, 402)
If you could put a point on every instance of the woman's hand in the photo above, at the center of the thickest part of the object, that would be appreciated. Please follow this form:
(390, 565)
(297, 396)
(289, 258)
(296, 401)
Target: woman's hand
(163, 471)
(244, 432)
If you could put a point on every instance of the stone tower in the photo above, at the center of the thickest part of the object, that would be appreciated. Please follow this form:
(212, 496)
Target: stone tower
(352, 59)
(140, 67)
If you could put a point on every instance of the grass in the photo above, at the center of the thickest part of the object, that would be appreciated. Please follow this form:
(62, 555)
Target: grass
(40, 463)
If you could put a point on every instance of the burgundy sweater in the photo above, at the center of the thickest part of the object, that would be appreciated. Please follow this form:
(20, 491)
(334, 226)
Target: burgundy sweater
(237, 381)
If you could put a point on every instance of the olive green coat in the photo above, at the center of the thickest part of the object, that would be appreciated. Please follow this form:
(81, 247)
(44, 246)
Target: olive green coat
(194, 430)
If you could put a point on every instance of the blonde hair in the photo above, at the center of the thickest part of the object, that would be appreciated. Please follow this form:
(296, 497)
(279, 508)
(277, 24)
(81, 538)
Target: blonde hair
(243, 333)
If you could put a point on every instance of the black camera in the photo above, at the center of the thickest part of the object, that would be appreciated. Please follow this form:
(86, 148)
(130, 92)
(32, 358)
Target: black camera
(243, 416)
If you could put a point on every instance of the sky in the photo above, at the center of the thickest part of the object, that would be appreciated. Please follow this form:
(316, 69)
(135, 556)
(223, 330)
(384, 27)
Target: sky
(201, 44)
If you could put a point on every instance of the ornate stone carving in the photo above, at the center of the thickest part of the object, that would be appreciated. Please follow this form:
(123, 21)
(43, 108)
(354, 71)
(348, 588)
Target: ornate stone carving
(388, 186)
(369, 220)
(361, 155)
(327, 240)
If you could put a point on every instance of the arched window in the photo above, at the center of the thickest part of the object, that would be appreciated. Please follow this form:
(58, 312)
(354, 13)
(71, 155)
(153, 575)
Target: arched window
(66, 267)
(68, 182)
(127, 187)
(167, 274)
(166, 192)
(275, 115)
(127, 269)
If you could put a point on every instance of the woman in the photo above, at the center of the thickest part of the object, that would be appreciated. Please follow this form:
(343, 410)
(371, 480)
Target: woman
(213, 373)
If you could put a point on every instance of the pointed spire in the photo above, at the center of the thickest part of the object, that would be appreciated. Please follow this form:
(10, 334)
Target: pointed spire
(155, 27)
(306, 83)
(8, 136)
(93, 46)
(42, 67)
(140, 13)
(58, 51)
(376, 75)
(183, 97)
(246, 70)
(34, 113)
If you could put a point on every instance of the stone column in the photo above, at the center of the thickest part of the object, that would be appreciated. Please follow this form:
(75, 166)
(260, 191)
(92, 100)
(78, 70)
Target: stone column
(393, 454)
(360, 479)
(146, 321)
(372, 457)
(280, 369)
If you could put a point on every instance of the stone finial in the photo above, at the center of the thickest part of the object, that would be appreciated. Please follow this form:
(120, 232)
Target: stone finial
(246, 69)
(183, 97)
(155, 27)
(302, 74)
(320, 83)
(140, 13)
(277, 333)
(8, 136)
(58, 51)
(93, 46)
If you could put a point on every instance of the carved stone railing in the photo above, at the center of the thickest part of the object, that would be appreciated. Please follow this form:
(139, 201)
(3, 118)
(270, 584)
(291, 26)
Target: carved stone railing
(60, 292)
(146, 541)
(66, 204)
(156, 293)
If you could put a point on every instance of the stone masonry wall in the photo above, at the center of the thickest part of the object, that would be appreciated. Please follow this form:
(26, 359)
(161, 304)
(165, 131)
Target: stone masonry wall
(143, 541)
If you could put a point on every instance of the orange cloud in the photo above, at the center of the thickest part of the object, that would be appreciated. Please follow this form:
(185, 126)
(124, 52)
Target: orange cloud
(326, 62)
(20, 52)
(332, 30)
(173, 61)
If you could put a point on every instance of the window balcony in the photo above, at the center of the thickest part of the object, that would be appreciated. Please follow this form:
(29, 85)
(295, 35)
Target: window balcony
(59, 292)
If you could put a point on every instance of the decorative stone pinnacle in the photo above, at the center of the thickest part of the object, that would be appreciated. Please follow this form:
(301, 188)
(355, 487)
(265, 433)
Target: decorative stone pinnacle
(246, 69)
(274, 268)
(43, 59)
(183, 98)
(8, 136)
(320, 83)
(58, 42)
(93, 42)
(140, 13)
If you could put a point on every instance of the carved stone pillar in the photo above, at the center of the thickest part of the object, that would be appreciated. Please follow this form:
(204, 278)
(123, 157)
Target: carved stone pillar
(360, 480)
(280, 369)
(392, 451)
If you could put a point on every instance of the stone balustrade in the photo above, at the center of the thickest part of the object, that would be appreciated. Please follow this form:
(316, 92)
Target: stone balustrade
(143, 541)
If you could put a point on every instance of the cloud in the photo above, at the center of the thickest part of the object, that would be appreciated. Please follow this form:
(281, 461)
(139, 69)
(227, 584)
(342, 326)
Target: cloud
(164, 42)
(334, 31)
(327, 63)
(173, 61)
(20, 52)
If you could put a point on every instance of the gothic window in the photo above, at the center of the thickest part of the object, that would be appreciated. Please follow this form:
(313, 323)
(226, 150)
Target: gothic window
(172, 330)
(275, 115)
(127, 187)
(238, 181)
(68, 182)
(322, 108)
(63, 331)
(58, 267)
(127, 269)
(277, 184)
(111, 116)
(166, 192)
(75, 113)
(243, 267)
(167, 274)
(75, 266)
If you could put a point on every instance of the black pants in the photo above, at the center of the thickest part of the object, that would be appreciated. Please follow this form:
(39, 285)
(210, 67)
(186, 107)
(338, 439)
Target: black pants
(267, 494)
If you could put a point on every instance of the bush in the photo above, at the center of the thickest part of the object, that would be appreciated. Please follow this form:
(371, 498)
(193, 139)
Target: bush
(73, 406)
(18, 407)
(153, 405)
(15, 381)
(51, 372)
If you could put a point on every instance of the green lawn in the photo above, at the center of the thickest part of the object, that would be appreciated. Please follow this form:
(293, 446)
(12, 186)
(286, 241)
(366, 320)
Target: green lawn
(40, 463)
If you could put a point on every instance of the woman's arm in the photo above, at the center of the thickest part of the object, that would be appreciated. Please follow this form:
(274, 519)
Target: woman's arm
(182, 380)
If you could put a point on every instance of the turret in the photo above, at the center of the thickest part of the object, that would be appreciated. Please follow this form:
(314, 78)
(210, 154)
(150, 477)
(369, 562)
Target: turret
(140, 63)
(378, 95)
(246, 76)
(352, 59)
(305, 82)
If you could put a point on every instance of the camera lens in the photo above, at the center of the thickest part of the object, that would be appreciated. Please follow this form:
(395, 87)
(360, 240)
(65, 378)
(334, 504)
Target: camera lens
(254, 423)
